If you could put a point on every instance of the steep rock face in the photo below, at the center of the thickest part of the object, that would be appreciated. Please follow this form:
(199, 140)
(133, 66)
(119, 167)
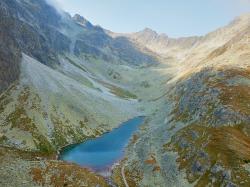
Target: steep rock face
(34, 29)
(93, 41)
(28, 26)
(10, 54)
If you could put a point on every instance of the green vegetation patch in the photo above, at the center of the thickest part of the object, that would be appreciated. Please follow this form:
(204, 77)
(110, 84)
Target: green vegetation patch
(75, 64)
(123, 93)
(120, 92)
(20, 120)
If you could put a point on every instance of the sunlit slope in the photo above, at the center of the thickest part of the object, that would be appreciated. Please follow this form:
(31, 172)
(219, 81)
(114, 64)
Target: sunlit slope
(200, 133)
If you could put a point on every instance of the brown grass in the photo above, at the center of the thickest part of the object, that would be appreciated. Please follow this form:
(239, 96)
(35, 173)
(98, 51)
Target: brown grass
(134, 139)
(151, 160)
(229, 146)
(60, 174)
(237, 97)
(37, 175)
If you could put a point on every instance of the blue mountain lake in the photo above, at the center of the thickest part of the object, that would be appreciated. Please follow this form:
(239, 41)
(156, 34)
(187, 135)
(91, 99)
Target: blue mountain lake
(102, 152)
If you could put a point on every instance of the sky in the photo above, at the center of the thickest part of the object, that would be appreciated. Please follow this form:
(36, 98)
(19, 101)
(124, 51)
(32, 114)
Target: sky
(176, 18)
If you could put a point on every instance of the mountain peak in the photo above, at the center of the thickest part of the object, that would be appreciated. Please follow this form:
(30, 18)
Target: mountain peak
(152, 33)
(149, 31)
(81, 20)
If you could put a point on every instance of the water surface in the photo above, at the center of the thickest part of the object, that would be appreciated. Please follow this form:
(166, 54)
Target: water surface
(102, 152)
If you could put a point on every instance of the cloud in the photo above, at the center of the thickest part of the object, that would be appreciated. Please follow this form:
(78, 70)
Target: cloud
(55, 4)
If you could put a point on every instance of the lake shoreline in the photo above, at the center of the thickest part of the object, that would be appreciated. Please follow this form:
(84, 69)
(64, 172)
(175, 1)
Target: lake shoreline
(114, 157)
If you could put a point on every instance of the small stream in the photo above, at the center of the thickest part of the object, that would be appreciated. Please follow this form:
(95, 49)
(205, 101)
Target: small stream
(100, 153)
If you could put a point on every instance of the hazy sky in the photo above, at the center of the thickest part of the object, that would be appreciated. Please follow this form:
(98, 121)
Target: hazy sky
(174, 17)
